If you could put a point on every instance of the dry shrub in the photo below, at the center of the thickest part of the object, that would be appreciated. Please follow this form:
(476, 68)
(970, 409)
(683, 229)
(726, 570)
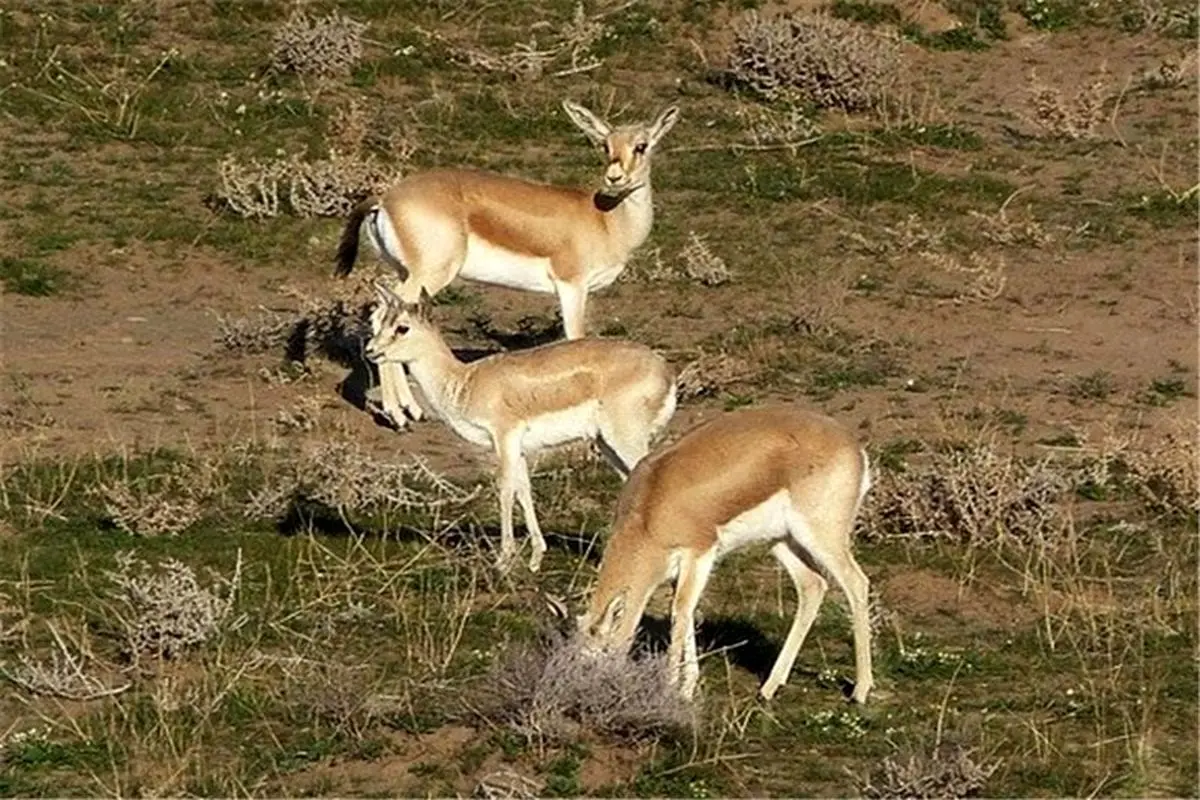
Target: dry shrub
(789, 129)
(328, 187)
(551, 690)
(255, 334)
(321, 47)
(1000, 229)
(949, 772)
(163, 610)
(570, 50)
(984, 275)
(1074, 113)
(814, 58)
(912, 234)
(334, 324)
(160, 505)
(975, 494)
(64, 675)
(701, 264)
(710, 373)
(341, 476)
(507, 784)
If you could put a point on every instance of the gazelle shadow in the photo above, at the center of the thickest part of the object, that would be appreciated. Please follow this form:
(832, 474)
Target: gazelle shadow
(745, 645)
(531, 331)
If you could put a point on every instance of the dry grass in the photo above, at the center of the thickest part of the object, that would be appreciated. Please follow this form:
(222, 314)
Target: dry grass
(814, 58)
(64, 675)
(328, 187)
(1067, 113)
(341, 476)
(710, 374)
(695, 262)
(948, 772)
(983, 276)
(787, 129)
(567, 51)
(554, 690)
(319, 47)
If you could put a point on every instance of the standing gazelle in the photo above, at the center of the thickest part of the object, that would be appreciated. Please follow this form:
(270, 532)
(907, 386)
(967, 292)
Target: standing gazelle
(435, 226)
(783, 476)
(521, 402)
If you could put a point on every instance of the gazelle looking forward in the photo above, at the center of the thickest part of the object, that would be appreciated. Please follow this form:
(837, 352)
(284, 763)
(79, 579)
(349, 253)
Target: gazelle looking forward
(782, 476)
(435, 226)
(518, 403)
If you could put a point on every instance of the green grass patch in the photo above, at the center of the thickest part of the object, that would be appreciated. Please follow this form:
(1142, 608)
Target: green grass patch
(34, 278)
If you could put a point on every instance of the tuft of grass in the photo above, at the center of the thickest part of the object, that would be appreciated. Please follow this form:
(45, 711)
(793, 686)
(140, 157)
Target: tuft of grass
(1165, 391)
(33, 277)
(866, 12)
(1097, 385)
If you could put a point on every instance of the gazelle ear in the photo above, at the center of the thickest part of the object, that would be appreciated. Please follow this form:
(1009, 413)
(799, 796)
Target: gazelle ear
(666, 120)
(424, 307)
(382, 293)
(595, 128)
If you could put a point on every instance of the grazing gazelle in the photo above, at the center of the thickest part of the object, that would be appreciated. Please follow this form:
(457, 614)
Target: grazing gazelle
(518, 403)
(791, 478)
(435, 226)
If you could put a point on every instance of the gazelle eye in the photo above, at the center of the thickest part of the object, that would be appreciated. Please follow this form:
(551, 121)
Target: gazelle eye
(640, 148)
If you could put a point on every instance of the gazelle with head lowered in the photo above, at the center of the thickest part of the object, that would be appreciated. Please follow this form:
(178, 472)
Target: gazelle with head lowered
(780, 476)
(617, 392)
(434, 226)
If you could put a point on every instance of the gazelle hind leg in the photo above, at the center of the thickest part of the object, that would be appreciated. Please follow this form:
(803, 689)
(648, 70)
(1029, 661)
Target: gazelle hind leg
(827, 541)
(844, 569)
(810, 591)
(683, 662)
(520, 473)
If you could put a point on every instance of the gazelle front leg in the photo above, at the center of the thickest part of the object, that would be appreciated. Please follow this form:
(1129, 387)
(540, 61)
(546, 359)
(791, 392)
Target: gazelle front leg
(682, 659)
(506, 486)
(573, 299)
(395, 395)
(810, 591)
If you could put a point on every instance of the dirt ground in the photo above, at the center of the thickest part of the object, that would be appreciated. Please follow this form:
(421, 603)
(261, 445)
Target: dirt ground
(1090, 336)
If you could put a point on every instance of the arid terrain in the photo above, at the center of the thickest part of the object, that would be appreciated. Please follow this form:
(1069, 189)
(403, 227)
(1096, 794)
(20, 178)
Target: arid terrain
(966, 229)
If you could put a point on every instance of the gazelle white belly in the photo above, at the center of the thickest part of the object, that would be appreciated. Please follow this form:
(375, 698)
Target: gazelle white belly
(560, 427)
(766, 522)
(488, 263)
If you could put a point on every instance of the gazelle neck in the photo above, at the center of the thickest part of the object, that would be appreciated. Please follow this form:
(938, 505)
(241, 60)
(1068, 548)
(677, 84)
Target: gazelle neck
(633, 216)
(439, 373)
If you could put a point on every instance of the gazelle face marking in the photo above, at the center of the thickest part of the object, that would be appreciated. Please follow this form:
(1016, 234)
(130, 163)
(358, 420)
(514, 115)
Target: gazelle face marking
(627, 149)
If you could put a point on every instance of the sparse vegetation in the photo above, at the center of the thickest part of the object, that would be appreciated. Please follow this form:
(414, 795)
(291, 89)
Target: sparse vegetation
(219, 576)
(318, 47)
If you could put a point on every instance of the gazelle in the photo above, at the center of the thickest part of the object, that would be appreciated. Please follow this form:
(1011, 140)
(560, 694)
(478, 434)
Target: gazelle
(518, 403)
(435, 226)
(783, 476)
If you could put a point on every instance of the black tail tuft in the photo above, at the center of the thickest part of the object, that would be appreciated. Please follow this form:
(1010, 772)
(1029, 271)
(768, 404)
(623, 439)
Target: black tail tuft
(347, 251)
